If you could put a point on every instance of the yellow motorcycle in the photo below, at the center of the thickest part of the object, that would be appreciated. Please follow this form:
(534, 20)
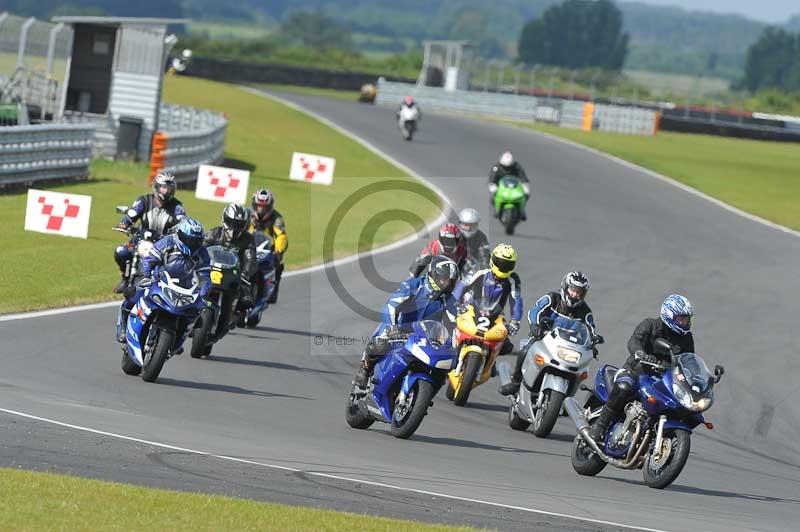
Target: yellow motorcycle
(479, 336)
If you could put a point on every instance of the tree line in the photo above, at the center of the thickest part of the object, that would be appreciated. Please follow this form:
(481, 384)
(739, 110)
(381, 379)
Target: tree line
(773, 62)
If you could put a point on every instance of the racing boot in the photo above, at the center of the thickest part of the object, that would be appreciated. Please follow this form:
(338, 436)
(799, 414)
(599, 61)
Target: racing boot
(122, 325)
(600, 426)
(516, 378)
(273, 297)
(121, 285)
(361, 378)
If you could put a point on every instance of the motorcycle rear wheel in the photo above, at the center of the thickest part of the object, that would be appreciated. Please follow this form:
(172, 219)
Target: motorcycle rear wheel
(129, 367)
(355, 414)
(659, 476)
(468, 376)
(200, 347)
(585, 462)
(153, 366)
(421, 395)
(516, 422)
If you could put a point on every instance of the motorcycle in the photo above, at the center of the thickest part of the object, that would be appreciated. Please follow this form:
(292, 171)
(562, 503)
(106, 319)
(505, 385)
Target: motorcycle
(215, 320)
(553, 368)
(655, 433)
(404, 381)
(159, 322)
(479, 336)
(407, 118)
(509, 202)
(264, 283)
(142, 242)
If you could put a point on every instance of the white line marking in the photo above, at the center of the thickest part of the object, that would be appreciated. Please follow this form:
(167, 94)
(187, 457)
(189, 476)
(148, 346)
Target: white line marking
(321, 475)
(309, 269)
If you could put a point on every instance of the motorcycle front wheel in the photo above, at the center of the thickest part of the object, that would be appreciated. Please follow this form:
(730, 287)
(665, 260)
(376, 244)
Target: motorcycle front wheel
(546, 416)
(468, 376)
(661, 472)
(509, 220)
(153, 364)
(406, 421)
(200, 338)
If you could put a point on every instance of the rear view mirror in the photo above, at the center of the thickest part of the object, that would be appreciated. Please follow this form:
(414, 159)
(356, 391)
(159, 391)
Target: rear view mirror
(719, 371)
(122, 209)
(662, 346)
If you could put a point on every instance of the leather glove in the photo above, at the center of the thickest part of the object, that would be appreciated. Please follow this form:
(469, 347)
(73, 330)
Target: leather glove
(513, 327)
(646, 358)
(122, 226)
(536, 331)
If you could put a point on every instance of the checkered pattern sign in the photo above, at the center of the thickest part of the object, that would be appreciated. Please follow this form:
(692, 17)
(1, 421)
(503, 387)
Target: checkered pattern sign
(226, 185)
(58, 214)
(312, 168)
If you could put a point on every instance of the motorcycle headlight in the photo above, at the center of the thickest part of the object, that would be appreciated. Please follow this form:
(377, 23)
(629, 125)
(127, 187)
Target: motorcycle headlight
(177, 299)
(684, 397)
(568, 355)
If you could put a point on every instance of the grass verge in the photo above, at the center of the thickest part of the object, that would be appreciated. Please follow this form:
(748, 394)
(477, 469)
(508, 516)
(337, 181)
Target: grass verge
(762, 178)
(41, 271)
(32, 501)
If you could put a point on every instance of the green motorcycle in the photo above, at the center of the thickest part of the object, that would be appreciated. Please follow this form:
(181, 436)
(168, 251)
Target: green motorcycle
(509, 202)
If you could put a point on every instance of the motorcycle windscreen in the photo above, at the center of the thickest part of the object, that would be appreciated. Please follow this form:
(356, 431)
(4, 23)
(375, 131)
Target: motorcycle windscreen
(694, 371)
(435, 332)
(573, 331)
(222, 257)
(509, 181)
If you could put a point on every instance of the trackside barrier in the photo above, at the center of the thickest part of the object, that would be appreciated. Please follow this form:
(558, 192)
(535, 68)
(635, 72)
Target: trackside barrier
(30, 154)
(566, 113)
(186, 138)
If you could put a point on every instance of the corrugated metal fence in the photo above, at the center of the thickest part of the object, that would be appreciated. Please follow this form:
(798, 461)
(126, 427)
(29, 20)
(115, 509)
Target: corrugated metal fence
(44, 152)
(187, 138)
(566, 113)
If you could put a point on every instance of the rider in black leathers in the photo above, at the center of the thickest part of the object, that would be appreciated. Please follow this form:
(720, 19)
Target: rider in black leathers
(674, 326)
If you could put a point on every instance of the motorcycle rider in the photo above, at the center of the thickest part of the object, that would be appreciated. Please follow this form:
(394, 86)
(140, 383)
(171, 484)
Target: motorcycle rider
(233, 234)
(183, 247)
(451, 244)
(265, 218)
(507, 165)
(498, 279)
(158, 212)
(475, 239)
(428, 297)
(673, 325)
(569, 301)
(409, 103)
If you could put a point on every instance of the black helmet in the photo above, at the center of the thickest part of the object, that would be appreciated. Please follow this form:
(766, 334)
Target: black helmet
(234, 219)
(442, 276)
(164, 186)
(574, 286)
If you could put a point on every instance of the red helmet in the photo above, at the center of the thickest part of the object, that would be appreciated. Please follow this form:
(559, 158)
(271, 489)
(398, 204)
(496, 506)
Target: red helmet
(408, 100)
(451, 242)
(263, 203)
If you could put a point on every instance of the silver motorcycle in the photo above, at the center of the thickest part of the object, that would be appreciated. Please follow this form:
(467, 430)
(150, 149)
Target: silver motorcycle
(553, 369)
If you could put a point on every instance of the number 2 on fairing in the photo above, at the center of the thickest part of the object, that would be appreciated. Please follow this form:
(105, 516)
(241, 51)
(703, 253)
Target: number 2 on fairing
(483, 324)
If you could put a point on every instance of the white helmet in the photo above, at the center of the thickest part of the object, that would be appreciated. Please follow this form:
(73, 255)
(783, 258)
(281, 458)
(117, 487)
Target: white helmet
(507, 159)
(468, 220)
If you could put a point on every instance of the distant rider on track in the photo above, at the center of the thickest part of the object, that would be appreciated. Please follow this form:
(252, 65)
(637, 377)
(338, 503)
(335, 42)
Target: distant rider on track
(265, 218)
(507, 165)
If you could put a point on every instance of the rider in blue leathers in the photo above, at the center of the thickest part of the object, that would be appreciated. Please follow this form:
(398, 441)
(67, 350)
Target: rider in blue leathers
(182, 249)
(427, 297)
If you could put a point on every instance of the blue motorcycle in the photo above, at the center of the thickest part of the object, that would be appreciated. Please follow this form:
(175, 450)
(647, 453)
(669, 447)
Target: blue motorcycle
(159, 322)
(405, 381)
(654, 433)
(264, 282)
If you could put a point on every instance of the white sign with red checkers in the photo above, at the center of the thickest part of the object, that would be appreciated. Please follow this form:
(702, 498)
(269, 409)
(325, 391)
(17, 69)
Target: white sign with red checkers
(227, 185)
(58, 214)
(312, 168)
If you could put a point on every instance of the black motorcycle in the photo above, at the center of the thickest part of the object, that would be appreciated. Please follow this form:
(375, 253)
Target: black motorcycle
(215, 320)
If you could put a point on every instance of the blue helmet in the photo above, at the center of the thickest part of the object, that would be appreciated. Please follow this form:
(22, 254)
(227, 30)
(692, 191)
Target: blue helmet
(677, 313)
(190, 233)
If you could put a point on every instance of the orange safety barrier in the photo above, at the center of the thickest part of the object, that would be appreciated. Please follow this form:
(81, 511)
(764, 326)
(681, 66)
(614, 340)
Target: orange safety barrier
(588, 116)
(657, 123)
(160, 142)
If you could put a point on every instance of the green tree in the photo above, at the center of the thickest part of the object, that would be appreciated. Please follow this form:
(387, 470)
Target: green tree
(773, 61)
(576, 34)
(316, 30)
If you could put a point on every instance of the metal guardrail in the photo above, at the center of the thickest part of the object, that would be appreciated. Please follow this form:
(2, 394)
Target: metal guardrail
(566, 113)
(44, 152)
(187, 138)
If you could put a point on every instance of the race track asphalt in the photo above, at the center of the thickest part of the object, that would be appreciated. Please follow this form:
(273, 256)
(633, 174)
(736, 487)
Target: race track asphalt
(273, 396)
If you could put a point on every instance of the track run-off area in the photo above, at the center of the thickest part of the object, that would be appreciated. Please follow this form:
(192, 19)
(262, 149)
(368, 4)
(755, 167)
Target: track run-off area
(264, 416)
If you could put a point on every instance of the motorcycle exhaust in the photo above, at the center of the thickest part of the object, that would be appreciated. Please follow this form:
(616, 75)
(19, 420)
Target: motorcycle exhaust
(576, 415)
(504, 372)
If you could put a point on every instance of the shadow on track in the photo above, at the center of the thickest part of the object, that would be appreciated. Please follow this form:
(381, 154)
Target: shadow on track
(271, 365)
(488, 407)
(693, 490)
(210, 386)
(469, 444)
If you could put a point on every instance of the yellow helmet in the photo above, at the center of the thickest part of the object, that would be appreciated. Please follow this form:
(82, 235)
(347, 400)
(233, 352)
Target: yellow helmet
(503, 261)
